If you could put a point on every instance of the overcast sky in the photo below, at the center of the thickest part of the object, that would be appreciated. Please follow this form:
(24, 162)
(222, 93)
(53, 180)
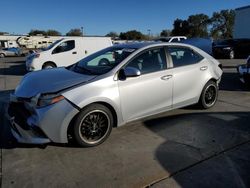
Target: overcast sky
(98, 17)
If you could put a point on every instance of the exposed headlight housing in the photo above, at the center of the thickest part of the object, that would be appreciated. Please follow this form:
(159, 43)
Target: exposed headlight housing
(49, 99)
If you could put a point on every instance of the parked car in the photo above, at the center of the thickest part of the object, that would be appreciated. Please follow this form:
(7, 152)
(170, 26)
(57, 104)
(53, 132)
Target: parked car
(8, 52)
(109, 88)
(232, 48)
(171, 39)
(244, 72)
(65, 52)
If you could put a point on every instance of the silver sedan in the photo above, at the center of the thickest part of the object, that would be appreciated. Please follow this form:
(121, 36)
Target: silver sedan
(110, 88)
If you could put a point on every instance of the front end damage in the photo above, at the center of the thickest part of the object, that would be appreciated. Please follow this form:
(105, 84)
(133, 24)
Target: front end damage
(33, 125)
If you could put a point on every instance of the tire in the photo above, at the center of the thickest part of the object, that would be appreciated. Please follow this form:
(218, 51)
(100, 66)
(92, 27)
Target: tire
(48, 65)
(231, 54)
(209, 95)
(93, 125)
(2, 55)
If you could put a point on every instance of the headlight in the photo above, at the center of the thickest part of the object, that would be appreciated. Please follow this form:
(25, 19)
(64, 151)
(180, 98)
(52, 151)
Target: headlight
(227, 48)
(46, 100)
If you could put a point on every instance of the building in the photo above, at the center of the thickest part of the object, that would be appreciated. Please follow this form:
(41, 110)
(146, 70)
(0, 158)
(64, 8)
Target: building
(242, 22)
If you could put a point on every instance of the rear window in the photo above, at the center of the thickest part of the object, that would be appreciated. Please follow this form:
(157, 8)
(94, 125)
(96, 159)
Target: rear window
(184, 56)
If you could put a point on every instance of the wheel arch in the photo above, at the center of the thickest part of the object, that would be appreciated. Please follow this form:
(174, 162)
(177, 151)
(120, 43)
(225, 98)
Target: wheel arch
(49, 62)
(109, 106)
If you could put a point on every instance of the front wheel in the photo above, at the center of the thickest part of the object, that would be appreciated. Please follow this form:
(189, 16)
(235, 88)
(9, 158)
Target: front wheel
(2, 55)
(93, 125)
(48, 65)
(209, 95)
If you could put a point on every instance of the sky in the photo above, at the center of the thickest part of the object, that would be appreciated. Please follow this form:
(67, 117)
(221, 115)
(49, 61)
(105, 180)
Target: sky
(99, 17)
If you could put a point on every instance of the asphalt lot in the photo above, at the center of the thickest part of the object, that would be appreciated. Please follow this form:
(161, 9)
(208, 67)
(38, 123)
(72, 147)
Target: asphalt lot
(182, 148)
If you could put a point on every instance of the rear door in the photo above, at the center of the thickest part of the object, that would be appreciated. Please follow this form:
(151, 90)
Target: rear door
(189, 70)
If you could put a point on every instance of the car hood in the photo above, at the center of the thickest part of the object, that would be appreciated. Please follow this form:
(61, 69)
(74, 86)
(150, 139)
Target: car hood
(49, 81)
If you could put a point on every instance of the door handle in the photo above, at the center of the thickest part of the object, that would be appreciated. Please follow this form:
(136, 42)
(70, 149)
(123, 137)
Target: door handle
(74, 52)
(166, 77)
(203, 68)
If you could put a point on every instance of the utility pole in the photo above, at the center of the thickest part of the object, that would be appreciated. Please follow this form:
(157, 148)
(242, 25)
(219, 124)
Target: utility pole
(82, 30)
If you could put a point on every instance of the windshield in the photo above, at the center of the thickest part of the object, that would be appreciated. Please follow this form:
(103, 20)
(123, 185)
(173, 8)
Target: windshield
(52, 45)
(103, 61)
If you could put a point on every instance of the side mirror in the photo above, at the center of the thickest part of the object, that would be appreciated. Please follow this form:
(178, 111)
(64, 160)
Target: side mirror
(128, 72)
(132, 72)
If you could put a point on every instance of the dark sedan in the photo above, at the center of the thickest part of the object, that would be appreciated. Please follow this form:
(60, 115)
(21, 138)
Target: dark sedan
(232, 48)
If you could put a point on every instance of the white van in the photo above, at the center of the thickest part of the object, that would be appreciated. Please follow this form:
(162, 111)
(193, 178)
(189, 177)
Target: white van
(65, 52)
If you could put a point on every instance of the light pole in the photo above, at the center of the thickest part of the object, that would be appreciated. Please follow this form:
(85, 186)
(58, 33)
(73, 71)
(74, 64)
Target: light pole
(149, 33)
(82, 30)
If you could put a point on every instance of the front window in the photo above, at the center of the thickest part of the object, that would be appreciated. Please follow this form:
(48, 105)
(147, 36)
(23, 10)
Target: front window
(64, 47)
(103, 61)
(150, 61)
(52, 45)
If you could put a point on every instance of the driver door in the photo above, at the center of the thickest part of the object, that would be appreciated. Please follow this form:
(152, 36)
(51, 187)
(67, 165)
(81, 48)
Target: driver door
(151, 92)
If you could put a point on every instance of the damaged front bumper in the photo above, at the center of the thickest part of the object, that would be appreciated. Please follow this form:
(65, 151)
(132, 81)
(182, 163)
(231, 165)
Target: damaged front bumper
(33, 125)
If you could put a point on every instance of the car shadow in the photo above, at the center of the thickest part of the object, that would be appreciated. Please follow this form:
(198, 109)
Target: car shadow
(14, 70)
(194, 138)
(231, 82)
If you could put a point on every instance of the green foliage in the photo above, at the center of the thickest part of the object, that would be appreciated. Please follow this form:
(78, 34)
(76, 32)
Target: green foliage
(34, 32)
(132, 35)
(222, 24)
(74, 32)
(198, 25)
(165, 33)
(181, 27)
(112, 34)
(52, 32)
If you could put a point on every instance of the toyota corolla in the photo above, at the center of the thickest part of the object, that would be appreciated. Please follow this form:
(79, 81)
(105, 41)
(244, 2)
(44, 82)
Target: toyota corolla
(110, 88)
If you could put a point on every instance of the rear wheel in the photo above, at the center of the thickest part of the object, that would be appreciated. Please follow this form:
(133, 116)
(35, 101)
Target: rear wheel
(2, 55)
(209, 95)
(93, 125)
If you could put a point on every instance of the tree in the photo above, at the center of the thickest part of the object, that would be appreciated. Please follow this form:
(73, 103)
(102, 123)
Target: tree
(112, 34)
(132, 35)
(52, 32)
(74, 32)
(198, 25)
(181, 27)
(222, 24)
(37, 32)
(165, 33)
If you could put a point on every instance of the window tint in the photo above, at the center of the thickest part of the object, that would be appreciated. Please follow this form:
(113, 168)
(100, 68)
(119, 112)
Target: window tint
(184, 56)
(150, 61)
(64, 46)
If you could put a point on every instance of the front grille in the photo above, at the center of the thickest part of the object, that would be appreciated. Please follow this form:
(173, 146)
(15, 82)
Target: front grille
(21, 114)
